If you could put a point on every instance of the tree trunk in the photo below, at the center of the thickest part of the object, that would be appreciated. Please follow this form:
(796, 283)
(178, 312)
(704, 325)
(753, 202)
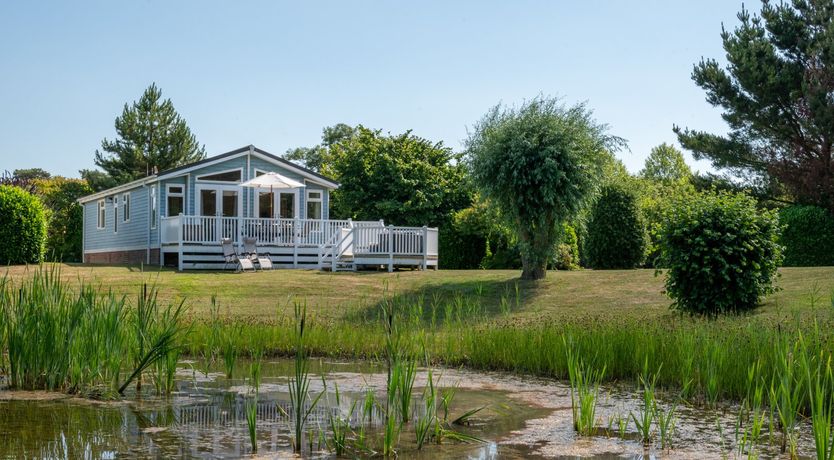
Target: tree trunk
(533, 269)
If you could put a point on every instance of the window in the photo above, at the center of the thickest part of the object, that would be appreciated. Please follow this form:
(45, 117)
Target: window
(223, 176)
(208, 202)
(313, 204)
(230, 203)
(287, 206)
(266, 204)
(153, 207)
(115, 213)
(174, 200)
(101, 210)
(126, 207)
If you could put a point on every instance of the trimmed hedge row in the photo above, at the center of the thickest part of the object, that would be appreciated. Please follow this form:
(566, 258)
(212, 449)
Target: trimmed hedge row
(807, 236)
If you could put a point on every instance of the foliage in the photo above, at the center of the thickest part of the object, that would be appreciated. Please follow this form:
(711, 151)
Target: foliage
(76, 339)
(807, 236)
(616, 231)
(97, 180)
(64, 231)
(656, 201)
(478, 238)
(776, 96)
(721, 253)
(539, 163)
(319, 158)
(22, 226)
(402, 179)
(31, 173)
(152, 137)
(666, 164)
(567, 251)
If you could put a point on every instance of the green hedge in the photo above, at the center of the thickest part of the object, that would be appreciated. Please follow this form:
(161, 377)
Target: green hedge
(22, 226)
(807, 236)
(617, 235)
(721, 253)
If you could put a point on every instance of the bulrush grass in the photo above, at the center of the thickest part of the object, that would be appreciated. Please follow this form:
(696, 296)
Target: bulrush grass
(76, 340)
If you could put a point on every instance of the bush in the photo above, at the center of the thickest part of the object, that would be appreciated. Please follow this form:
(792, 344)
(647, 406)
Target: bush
(64, 232)
(807, 236)
(721, 253)
(478, 238)
(616, 232)
(567, 251)
(22, 226)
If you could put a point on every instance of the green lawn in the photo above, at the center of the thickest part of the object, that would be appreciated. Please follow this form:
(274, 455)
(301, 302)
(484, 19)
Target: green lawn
(573, 295)
(616, 320)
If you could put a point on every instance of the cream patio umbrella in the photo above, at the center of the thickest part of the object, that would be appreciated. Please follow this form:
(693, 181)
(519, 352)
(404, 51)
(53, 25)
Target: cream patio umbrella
(271, 181)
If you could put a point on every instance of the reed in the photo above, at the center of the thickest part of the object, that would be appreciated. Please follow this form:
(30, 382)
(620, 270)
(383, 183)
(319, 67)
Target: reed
(251, 409)
(584, 391)
(75, 340)
(646, 413)
(299, 385)
(816, 369)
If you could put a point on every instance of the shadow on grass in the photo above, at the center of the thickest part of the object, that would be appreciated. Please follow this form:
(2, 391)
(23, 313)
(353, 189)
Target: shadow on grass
(448, 302)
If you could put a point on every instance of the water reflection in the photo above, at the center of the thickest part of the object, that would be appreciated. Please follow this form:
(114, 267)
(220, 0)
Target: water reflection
(205, 418)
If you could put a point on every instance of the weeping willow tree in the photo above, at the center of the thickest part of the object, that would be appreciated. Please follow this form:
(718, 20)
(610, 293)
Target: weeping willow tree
(539, 163)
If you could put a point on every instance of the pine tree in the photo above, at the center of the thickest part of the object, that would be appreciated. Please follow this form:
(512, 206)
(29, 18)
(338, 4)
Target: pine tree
(776, 96)
(152, 137)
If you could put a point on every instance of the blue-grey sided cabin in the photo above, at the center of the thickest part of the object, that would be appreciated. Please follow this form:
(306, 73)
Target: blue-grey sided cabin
(178, 218)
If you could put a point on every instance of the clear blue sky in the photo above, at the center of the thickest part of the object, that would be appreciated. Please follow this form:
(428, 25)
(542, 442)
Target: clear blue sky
(274, 73)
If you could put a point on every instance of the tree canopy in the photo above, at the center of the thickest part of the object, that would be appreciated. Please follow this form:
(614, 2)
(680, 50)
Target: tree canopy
(775, 93)
(403, 179)
(318, 158)
(151, 137)
(666, 164)
(539, 163)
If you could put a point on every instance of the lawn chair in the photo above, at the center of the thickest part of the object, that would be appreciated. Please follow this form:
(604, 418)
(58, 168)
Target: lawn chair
(250, 251)
(230, 256)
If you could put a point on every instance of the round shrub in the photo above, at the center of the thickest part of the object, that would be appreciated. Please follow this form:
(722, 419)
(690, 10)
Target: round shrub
(807, 236)
(721, 253)
(566, 256)
(22, 226)
(616, 231)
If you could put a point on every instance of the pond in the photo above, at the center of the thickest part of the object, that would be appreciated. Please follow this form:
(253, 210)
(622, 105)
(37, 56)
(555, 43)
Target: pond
(522, 417)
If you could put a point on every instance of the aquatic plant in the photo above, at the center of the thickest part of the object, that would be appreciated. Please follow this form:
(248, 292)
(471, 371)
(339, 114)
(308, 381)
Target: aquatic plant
(584, 391)
(76, 340)
(666, 420)
(819, 381)
(251, 409)
(786, 392)
(299, 384)
(646, 413)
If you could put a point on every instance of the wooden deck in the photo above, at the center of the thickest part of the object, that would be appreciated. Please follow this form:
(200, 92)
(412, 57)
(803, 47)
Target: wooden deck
(334, 245)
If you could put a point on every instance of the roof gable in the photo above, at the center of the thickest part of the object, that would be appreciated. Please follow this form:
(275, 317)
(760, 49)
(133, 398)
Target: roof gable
(305, 173)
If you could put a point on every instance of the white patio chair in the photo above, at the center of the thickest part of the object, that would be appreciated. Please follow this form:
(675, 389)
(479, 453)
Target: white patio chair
(230, 256)
(250, 251)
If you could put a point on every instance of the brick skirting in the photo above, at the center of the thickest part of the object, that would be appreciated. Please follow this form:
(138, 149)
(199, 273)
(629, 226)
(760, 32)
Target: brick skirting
(122, 257)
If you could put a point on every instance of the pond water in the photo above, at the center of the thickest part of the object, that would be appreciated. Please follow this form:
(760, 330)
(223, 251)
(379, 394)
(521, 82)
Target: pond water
(523, 418)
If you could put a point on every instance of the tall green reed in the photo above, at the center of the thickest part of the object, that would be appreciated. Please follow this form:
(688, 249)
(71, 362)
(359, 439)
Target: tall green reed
(299, 384)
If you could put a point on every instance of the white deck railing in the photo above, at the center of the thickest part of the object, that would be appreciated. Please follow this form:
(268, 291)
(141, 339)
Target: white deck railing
(284, 232)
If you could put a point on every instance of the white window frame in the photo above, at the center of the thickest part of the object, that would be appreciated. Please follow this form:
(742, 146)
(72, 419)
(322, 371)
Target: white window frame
(169, 193)
(101, 215)
(126, 207)
(309, 200)
(153, 207)
(198, 199)
(209, 181)
(116, 213)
